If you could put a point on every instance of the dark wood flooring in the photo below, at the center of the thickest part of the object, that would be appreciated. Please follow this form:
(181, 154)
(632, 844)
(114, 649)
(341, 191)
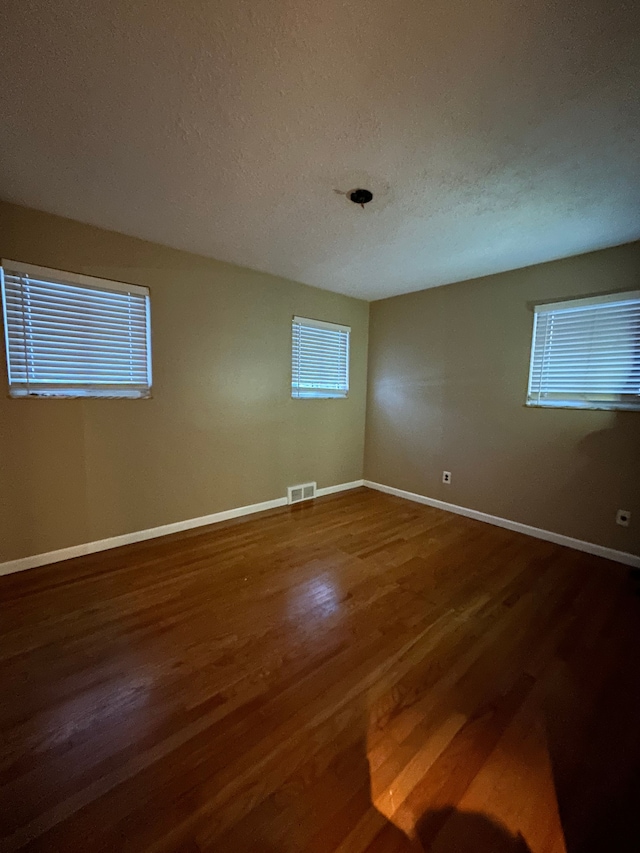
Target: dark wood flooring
(355, 674)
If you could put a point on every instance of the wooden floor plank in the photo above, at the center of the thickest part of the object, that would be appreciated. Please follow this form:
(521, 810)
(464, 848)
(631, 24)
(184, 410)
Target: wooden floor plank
(359, 673)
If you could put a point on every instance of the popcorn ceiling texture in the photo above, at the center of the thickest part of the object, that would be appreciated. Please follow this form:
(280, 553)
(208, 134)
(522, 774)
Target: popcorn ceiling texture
(494, 134)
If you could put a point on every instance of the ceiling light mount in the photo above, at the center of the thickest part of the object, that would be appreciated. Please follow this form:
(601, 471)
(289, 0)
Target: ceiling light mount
(360, 197)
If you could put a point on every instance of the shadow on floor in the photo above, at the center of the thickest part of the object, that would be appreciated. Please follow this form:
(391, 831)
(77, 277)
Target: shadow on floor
(449, 830)
(452, 831)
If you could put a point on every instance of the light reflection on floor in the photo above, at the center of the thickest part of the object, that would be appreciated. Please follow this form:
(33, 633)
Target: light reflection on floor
(116, 705)
(511, 794)
(316, 598)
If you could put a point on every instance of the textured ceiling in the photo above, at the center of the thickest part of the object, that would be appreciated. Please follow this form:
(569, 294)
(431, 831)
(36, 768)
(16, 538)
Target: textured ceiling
(493, 133)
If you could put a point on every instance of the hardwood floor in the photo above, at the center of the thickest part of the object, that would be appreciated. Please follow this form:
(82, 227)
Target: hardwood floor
(356, 674)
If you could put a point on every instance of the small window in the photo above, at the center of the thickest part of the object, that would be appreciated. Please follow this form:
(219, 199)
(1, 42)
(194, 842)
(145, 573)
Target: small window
(69, 335)
(586, 353)
(320, 359)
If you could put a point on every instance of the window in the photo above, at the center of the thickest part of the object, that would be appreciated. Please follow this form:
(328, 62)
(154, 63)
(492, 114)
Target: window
(320, 359)
(586, 353)
(69, 335)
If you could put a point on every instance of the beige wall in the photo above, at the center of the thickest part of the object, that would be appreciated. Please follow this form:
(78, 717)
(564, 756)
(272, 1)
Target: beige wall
(448, 372)
(221, 430)
(447, 380)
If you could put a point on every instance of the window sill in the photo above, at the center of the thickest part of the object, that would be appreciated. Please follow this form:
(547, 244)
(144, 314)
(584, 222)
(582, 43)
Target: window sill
(106, 395)
(593, 407)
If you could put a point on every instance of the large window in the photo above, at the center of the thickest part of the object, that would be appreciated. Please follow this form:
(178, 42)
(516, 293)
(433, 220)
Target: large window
(320, 359)
(586, 353)
(69, 335)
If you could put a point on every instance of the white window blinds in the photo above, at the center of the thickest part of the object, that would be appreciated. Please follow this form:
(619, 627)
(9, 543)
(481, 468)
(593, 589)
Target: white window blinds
(320, 359)
(586, 353)
(74, 336)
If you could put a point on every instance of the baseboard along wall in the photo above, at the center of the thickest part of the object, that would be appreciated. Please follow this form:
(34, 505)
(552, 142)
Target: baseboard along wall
(548, 535)
(36, 560)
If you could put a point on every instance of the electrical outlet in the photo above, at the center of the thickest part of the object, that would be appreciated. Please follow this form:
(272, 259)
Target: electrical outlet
(623, 517)
(446, 477)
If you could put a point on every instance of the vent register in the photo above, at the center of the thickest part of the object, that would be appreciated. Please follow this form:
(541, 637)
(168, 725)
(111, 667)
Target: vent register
(303, 492)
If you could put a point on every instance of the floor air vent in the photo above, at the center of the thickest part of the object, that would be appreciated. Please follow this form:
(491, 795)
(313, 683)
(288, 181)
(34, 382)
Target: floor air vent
(304, 492)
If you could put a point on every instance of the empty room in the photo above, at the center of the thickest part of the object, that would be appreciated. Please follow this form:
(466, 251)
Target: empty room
(320, 427)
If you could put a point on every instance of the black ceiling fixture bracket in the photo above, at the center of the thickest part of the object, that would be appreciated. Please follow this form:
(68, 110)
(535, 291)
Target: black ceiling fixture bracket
(361, 197)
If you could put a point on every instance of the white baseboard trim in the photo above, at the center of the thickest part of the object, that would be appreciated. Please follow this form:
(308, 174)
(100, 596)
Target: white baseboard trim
(342, 487)
(558, 538)
(152, 533)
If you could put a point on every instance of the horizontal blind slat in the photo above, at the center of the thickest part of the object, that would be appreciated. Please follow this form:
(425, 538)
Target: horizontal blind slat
(40, 285)
(66, 313)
